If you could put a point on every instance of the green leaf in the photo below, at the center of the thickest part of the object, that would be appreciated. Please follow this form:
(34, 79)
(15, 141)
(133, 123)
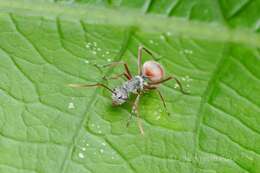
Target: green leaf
(211, 47)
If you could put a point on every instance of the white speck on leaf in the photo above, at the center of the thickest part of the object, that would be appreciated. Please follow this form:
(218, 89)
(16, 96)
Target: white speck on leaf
(151, 41)
(87, 144)
(83, 149)
(95, 43)
(71, 105)
(158, 117)
(107, 52)
(187, 51)
(162, 37)
(104, 144)
(81, 155)
(94, 52)
(108, 60)
(176, 85)
(99, 131)
(86, 61)
(168, 33)
(101, 151)
(99, 49)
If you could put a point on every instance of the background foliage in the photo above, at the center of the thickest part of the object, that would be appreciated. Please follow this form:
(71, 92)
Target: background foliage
(211, 46)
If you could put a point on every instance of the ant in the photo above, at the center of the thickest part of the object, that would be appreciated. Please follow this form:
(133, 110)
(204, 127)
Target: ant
(150, 75)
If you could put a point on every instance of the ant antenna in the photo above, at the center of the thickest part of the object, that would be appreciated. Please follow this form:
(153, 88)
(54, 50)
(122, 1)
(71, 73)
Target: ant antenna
(91, 85)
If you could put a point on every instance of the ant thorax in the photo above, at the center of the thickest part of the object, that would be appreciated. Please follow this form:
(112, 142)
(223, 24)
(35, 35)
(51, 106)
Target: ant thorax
(121, 93)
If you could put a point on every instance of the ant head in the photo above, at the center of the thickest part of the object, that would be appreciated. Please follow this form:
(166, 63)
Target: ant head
(153, 71)
(119, 96)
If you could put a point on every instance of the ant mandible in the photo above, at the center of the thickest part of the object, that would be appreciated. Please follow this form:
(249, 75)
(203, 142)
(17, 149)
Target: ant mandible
(150, 75)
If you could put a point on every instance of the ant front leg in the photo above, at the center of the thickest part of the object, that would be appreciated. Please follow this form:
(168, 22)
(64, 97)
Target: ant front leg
(116, 76)
(127, 72)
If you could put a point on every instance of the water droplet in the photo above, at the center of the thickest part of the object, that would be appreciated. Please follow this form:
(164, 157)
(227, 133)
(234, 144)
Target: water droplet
(81, 155)
(188, 78)
(99, 49)
(176, 85)
(86, 61)
(101, 151)
(162, 37)
(187, 51)
(104, 144)
(99, 131)
(151, 41)
(94, 52)
(108, 60)
(168, 33)
(71, 105)
(83, 149)
(87, 144)
(87, 46)
(107, 52)
(103, 55)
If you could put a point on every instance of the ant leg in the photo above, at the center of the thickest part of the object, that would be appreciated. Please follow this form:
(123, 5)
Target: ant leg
(127, 71)
(169, 78)
(91, 85)
(116, 76)
(135, 110)
(139, 60)
(161, 97)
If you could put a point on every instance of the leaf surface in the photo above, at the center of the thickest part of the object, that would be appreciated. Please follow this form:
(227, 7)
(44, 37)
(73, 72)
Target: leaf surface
(48, 127)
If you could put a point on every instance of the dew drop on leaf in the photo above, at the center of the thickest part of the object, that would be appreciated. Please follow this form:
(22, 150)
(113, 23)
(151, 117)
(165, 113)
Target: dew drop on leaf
(168, 33)
(162, 37)
(81, 155)
(151, 41)
(71, 105)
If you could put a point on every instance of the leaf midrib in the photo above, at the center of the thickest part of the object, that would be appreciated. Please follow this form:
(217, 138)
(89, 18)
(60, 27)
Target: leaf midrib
(132, 18)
